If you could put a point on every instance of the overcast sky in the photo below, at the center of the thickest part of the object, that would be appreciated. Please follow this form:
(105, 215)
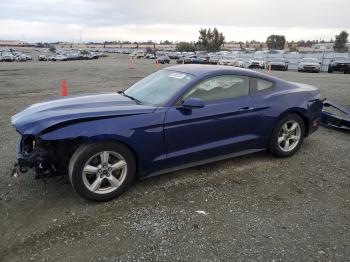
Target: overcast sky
(142, 20)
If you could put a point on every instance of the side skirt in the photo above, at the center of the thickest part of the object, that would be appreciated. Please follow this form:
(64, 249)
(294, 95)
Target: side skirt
(201, 162)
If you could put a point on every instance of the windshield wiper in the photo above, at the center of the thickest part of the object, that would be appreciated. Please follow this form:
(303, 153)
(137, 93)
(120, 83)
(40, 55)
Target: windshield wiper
(132, 98)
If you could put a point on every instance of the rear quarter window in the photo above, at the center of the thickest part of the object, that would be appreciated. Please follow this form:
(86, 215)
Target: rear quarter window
(263, 84)
(258, 84)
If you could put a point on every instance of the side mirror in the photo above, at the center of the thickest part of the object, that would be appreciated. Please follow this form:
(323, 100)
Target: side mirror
(192, 102)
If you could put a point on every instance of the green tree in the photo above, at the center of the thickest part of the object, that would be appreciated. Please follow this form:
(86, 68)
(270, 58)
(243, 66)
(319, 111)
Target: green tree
(276, 42)
(210, 40)
(167, 42)
(52, 49)
(185, 47)
(340, 41)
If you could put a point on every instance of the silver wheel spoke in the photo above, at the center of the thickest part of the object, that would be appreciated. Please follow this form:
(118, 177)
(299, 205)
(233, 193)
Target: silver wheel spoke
(96, 184)
(285, 128)
(120, 164)
(113, 181)
(294, 138)
(286, 145)
(293, 127)
(280, 139)
(90, 169)
(104, 157)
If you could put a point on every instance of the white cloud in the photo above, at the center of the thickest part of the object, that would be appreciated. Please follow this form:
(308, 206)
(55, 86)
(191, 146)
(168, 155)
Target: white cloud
(53, 20)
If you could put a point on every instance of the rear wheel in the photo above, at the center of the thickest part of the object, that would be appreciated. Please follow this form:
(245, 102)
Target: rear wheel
(288, 136)
(102, 171)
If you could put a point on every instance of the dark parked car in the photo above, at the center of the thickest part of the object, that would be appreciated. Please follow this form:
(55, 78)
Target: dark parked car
(278, 64)
(340, 64)
(177, 117)
(200, 60)
(164, 59)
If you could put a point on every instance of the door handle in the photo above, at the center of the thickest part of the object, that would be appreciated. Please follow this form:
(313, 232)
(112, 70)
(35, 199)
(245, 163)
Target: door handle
(247, 108)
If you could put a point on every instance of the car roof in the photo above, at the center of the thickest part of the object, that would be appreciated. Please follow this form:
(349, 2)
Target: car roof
(204, 70)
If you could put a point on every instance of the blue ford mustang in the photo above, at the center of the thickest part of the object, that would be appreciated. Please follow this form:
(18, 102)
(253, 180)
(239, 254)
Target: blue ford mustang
(177, 117)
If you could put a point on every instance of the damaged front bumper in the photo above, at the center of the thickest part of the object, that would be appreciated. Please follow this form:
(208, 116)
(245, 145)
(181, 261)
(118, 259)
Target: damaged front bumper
(31, 153)
(340, 121)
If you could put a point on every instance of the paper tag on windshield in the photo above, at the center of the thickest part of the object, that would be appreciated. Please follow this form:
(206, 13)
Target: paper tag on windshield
(177, 75)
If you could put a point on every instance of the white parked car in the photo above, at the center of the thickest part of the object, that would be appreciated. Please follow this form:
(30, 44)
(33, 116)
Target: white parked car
(228, 60)
(58, 58)
(257, 62)
(8, 57)
(309, 65)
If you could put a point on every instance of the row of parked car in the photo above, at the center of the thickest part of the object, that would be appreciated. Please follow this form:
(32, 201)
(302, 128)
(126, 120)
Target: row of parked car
(66, 55)
(13, 56)
(307, 64)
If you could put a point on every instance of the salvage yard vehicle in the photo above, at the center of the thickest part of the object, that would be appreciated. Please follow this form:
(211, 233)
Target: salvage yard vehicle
(42, 58)
(8, 57)
(257, 62)
(163, 59)
(185, 59)
(21, 58)
(340, 64)
(309, 65)
(58, 58)
(227, 60)
(278, 64)
(177, 117)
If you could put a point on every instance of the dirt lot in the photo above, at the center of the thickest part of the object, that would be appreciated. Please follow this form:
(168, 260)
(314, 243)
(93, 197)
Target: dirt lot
(257, 208)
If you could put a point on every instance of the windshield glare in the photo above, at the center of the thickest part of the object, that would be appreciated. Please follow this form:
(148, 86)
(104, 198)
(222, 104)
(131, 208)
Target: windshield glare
(159, 87)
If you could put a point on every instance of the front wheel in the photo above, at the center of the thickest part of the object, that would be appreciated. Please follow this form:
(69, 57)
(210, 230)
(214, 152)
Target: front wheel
(288, 136)
(102, 171)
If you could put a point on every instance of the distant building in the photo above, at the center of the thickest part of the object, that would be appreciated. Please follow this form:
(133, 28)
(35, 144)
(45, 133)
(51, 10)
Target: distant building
(13, 43)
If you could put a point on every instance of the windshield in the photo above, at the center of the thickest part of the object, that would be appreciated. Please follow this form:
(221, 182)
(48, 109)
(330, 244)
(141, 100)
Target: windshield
(159, 87)
(345, 59)
(277, 60)
(310, 60)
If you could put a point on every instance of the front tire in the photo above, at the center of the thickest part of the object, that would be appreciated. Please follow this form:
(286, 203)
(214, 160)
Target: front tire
(101, 171)
(288, 136)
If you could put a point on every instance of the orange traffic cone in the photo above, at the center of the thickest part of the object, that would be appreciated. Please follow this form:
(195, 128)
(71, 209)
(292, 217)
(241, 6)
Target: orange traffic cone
(64, 88)
(269, 69)
(157, 64)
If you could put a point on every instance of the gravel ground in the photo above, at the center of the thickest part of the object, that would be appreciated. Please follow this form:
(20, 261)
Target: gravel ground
(252, 208)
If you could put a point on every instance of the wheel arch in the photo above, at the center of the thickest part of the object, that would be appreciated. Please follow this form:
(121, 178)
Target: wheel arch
(301, 113)
(104, 138)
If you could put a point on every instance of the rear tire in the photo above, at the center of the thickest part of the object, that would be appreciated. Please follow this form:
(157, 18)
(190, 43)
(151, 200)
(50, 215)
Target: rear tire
(101, 171)
(288, 136)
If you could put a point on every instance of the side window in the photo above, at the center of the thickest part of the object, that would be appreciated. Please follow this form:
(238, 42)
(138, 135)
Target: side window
(220, 87)
(263, 84)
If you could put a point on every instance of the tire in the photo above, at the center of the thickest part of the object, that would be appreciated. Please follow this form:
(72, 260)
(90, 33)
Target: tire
(100, 182)
(330, 70)
(277, 145)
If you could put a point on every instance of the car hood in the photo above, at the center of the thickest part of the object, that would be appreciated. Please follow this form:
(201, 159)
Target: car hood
(41, 116)
(277, 63)
(256, 61)
(309, 64)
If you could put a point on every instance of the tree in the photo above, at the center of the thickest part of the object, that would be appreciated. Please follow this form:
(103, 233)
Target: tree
(210, 40)
(340, 41)
(167, 42)
(185, 47)
(276, 42)
(52, 49)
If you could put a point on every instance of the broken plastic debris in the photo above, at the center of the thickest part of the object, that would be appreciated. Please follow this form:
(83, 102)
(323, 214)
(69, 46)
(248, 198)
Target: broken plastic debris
(201, 212)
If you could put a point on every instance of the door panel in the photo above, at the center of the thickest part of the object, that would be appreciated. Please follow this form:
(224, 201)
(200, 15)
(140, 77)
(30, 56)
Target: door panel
(219, 128)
